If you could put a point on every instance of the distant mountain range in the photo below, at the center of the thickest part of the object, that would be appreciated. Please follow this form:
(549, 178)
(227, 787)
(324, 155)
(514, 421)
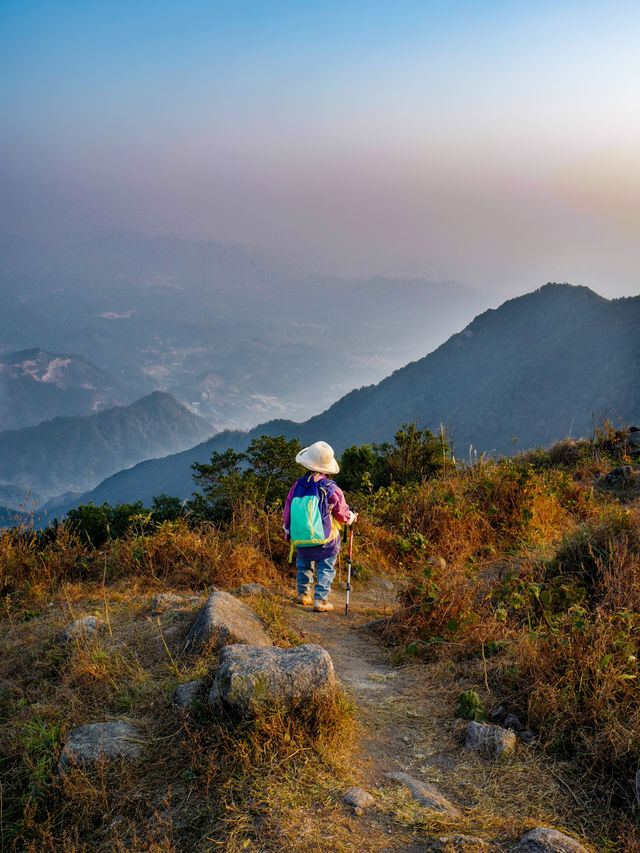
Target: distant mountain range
(223, 329)
(535, 370)
(74, 454)
(36, 385)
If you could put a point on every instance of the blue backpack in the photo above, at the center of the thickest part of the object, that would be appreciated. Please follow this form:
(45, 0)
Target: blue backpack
(311, 520)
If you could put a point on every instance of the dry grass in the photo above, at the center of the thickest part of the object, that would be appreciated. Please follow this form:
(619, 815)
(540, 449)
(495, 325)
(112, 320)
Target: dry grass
(540, 599)
(200, 783)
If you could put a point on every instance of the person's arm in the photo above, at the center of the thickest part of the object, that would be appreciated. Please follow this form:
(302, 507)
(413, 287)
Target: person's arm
(286, 515)
(339, 508)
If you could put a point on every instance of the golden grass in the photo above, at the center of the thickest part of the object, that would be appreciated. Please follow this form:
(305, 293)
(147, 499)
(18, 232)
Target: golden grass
(511, 533)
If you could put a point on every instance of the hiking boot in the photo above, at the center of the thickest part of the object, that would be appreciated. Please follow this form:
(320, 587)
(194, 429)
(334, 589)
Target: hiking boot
(305, 598)
(322, 606)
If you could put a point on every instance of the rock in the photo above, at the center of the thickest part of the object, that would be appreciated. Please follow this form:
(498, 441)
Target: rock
(426, 794)
(252, 678)
(86, 746)
(459, 844)
(87, 626)
(437, 563)
(375, 625)
(186, 694)
(497, 715)
(358, 799)
(545, 840)
(512, 722)
(619, 476)
(166, 600)
(527, 737)
(255, 589)
(491, 741)
(225, 619)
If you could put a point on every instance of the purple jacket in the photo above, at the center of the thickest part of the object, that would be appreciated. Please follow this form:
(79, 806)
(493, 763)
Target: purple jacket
(338, 508)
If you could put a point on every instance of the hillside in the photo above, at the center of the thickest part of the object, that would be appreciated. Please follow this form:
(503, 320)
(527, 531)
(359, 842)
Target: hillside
(480, 690)
(36, 385)
(76, 453)
(537, 368)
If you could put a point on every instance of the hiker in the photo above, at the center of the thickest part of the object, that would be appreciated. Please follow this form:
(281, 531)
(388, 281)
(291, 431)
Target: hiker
(313, 512)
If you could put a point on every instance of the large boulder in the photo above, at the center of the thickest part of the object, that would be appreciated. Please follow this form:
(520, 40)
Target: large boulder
(542, 839)
(224, 619)
(86, 746)
(252, 678)
(490, 741)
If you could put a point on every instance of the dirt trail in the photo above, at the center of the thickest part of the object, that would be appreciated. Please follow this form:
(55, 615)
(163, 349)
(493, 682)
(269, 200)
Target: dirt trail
(385, 695)
(407, 723)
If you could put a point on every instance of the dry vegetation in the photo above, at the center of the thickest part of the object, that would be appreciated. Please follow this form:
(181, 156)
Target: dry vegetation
(541, 585)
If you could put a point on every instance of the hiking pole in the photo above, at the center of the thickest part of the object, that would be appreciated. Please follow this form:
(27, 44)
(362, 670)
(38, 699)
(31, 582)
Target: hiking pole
(346, 606)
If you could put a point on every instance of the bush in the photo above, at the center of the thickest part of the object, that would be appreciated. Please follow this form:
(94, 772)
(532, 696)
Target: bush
(97, 524)
(416, 454)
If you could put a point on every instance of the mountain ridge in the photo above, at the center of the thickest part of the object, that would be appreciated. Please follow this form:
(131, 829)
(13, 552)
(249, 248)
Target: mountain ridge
(75, 453)
(515, 371)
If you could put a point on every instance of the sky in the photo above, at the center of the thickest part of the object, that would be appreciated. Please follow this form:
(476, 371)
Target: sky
(494, 143)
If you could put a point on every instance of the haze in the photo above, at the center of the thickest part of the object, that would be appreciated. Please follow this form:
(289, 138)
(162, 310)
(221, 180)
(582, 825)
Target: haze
(495, 143)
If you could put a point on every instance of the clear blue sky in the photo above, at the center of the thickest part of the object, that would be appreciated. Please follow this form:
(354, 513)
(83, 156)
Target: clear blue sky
(496, 142)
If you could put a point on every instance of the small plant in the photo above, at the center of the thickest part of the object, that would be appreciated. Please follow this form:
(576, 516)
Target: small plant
(469, 706)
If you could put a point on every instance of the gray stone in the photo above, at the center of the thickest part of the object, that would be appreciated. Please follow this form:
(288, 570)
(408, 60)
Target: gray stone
(459, 844)
(375, 625)
(542, 839)
(490, 741)
(512, 722)
(527, 737)
(87, 626)
(619, 476)
(634, 437)
(225, 619)
(167, 600)
(497, 715)
(250, 678)
(186, 694)
(88, 745)
(429, 796)
(358, 799)
(255, 589)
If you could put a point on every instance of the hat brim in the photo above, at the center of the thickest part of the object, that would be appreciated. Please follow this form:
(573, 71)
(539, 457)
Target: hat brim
(303, 459)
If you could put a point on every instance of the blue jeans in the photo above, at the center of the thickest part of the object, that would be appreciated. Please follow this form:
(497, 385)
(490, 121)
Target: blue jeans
(325, 571)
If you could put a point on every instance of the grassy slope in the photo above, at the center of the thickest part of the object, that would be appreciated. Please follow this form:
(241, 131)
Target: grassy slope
(537, 610)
